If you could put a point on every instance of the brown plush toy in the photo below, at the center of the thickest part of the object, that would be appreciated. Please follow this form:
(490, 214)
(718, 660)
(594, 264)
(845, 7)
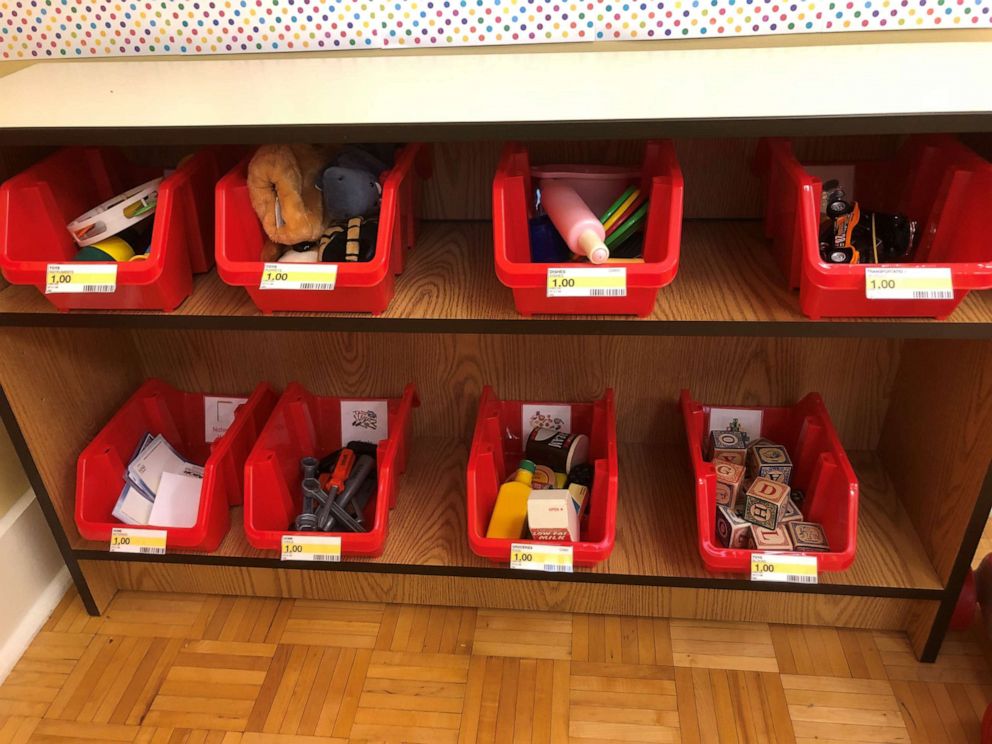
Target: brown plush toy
(282, 185)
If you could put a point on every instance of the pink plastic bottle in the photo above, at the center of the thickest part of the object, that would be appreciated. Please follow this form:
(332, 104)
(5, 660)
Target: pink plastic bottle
(581, 229)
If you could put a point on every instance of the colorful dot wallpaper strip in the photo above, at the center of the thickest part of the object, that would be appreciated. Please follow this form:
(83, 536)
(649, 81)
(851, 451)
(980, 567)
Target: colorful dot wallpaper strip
(476, 22)
(59, 29)
(701, 18)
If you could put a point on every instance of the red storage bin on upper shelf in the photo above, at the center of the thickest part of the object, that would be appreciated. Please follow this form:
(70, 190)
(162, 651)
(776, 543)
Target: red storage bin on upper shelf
(497, 448)
(305, 425)
(157, 408)
(820, 469)
(360, 287)
(513, 206)
(36, 206)
(934, 180)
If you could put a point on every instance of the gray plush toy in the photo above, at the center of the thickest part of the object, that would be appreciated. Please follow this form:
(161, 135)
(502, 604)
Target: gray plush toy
(350, 185)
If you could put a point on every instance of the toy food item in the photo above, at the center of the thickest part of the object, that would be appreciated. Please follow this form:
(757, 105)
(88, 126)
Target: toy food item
(580, 228)
(282, 186)
(510, 511)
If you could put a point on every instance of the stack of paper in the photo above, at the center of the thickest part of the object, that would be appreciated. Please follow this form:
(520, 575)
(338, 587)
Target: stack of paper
(161, 488)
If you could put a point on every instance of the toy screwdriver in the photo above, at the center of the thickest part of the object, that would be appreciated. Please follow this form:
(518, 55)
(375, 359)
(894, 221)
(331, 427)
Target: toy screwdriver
(335, 482)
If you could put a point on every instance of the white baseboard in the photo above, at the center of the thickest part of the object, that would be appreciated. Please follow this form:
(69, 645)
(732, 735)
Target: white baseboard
(33, 576)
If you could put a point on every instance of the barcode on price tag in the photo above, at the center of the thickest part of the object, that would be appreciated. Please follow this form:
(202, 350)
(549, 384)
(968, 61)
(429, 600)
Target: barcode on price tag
(312, 277)
(307, 548)
(588, 281)
(785, 567)
(530, 557)
(921, 283)
(147, 542)
(80, 278)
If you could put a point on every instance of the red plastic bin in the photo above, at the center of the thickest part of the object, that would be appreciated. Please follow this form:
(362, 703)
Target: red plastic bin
(820, 469)
(305, 425)
(360, 287)
(497, 448)
(933, 179)
(158, 408)
(36, 206)
(513, 199)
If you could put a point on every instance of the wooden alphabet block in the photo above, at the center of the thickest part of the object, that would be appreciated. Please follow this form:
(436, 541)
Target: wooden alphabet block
(731, 530)
(790, 513)
(765, 503)
(770, 540)
(759, 440)
(729, 479)
(808, 537)
(769, 461)
(728, 445)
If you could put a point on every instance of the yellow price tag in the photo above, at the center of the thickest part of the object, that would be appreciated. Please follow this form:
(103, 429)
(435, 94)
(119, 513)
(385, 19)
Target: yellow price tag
(537, 557)
(312, 277)
(919, 283)
(82, 277)
(587, 281)
(784, 567)
(311, 548)
(146, 542)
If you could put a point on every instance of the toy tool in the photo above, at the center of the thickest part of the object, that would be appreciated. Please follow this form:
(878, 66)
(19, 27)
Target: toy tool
(580, 228)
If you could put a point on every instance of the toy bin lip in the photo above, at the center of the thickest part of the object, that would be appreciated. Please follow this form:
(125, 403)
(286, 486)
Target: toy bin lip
(368, 544)
(190, 538)
(652, 274)
(242, 273)
(586, 553)
(719, 559)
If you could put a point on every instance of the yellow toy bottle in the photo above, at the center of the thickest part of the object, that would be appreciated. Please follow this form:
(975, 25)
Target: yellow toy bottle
(510, 512)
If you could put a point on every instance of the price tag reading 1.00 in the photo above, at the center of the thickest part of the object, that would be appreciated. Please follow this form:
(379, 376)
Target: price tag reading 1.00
(923, 283)
(785, 567)
(531, 557)
(81, 278)
(307, 548)
(588, 281)
(146, 542)
(313, 277)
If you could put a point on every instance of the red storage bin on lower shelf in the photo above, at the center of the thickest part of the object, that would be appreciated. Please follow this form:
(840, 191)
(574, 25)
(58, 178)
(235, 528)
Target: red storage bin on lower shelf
(157, 408)
(934, 180)
(360, 287)
(497, 448)
(820, 469)
(36, 206)
(304, 425)
(513, 200)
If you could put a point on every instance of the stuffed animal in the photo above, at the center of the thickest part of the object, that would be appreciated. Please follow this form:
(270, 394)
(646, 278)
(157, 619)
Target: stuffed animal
(282, 186)
(343, 242)
(350, 185)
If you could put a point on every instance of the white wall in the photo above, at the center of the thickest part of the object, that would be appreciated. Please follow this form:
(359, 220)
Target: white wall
(32, 573)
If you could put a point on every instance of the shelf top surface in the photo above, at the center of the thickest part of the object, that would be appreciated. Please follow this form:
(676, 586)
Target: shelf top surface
(656, 527)
(633, 84)
(727, 284)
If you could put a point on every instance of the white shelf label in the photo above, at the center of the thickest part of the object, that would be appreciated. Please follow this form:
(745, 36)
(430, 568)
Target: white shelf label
(146, 542)
(311, 548)
(588, 281)
(784, 567)
(909, 284)
(531, 557)
(81, 278)
(309, 277)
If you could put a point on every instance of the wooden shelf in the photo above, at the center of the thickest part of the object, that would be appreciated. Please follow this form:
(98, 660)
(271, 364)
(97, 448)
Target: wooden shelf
(655, 542)
(727, 284)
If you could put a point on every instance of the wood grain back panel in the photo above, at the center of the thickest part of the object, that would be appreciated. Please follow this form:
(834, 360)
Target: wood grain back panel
(450, 371)
(937, 440)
